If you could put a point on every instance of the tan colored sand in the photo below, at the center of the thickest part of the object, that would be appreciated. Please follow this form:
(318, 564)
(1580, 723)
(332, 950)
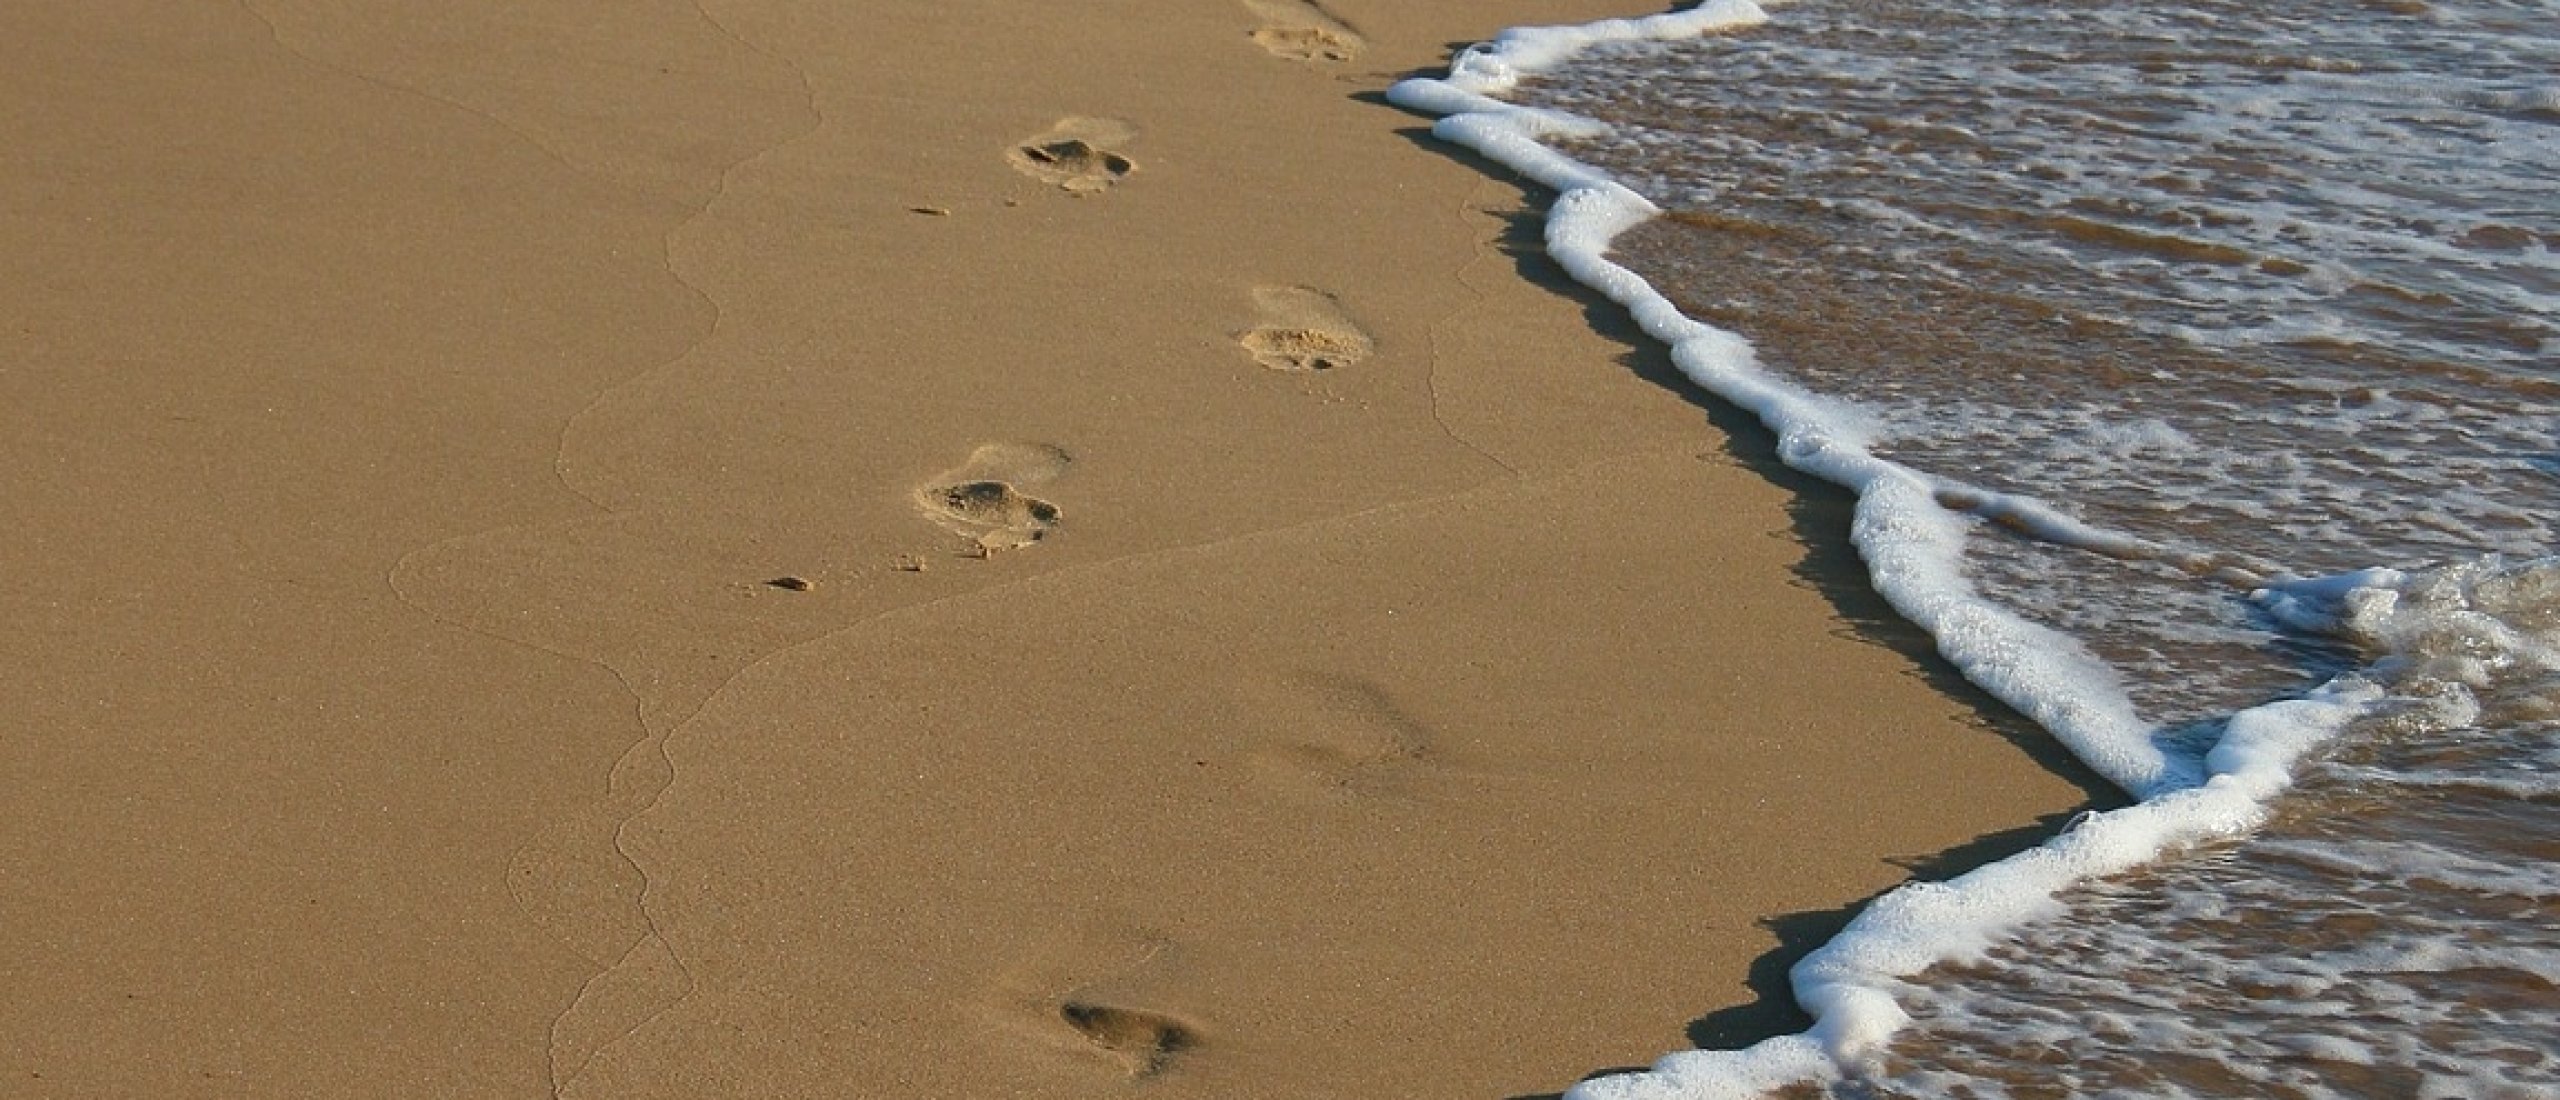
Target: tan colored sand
(402, 415)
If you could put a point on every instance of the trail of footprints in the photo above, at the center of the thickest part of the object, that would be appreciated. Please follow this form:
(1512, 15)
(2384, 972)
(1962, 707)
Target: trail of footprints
(1323, 734)
(985, 498)
(1300, 329)
(1083, 155)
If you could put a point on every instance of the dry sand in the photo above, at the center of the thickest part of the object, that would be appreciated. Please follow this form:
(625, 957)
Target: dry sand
(1248, 632)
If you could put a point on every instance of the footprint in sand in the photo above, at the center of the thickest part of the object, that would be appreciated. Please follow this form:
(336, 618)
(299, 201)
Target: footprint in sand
(1301, 31)
(1145, 1042)
(1078, 155)
(1335, 735)
(983, 500)
(1303, 329)
(1077, 991)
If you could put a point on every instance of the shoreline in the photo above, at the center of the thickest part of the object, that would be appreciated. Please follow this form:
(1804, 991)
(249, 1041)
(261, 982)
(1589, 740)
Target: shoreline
(1151, 711)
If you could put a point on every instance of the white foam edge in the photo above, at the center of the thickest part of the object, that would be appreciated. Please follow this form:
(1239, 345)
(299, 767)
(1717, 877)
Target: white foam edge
(1913, 548)
(1913, 545)
(1848, 984)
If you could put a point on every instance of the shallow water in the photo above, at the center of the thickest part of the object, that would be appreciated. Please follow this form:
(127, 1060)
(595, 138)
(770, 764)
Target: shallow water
(2245, 293)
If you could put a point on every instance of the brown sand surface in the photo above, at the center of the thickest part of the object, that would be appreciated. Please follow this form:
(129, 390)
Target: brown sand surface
(1251, 634)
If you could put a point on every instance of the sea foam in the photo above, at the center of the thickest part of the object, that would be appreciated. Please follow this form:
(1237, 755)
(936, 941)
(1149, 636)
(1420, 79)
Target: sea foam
(1911, 528)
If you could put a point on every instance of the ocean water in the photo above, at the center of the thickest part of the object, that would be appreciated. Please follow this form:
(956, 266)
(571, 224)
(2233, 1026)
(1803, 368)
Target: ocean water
(2197, 365)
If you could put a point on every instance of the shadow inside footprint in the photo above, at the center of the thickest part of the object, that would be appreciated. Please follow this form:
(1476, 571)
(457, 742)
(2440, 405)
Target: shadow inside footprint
(1329, 735)
(1305, 44)
(1076, 155)
(1298, 349)
(998, 504)
(1076, 165)
(983, 501)
(1301, 31)
(1146, 1042)
(1303, 329)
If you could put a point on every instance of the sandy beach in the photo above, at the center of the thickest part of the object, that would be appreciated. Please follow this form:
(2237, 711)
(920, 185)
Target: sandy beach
(771, 549)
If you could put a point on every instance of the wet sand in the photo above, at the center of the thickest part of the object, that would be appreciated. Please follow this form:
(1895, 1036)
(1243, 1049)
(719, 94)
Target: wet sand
(632, 550)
